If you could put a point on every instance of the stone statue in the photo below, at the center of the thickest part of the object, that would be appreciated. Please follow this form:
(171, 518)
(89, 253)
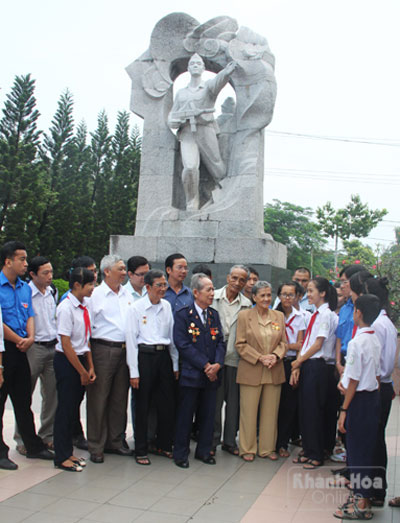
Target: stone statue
(192, 115)
(201, 190)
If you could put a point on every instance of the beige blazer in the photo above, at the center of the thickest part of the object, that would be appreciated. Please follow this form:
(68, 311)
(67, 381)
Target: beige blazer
(249, 344)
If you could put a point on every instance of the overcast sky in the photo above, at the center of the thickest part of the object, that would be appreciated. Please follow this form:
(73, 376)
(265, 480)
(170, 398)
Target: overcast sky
(337, 69)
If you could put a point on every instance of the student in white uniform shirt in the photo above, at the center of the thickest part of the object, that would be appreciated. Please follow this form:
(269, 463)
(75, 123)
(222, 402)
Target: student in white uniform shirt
(107, 398)
(153, 365)
(295, 328)
(359, 416)
(311, 360)
(73, 365)
(387, 335)
(41, 354)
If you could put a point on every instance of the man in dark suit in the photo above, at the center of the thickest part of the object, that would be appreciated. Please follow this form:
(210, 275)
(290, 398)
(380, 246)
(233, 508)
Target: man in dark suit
(199, 339)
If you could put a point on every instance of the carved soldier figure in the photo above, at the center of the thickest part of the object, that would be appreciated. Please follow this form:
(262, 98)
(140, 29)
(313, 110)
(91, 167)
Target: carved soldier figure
(192, 115)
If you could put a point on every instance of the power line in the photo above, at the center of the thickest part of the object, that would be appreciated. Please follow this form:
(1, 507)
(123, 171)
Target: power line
(375, 141)
(316, 176)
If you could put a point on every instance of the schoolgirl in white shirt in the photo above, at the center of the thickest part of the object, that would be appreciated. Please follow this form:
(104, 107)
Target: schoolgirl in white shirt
(387, 335)
(359, 416)
(295, 327)
(311, 361)
(73, 365)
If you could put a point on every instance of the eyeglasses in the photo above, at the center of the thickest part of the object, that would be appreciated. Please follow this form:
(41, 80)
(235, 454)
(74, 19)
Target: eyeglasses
(140, 274)
(287, 296)
(161, 285)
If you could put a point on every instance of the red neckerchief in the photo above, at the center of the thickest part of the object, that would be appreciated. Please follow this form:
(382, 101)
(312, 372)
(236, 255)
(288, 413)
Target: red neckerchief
(86, 319)
(354, 331)
(288, 325)
(309, 328)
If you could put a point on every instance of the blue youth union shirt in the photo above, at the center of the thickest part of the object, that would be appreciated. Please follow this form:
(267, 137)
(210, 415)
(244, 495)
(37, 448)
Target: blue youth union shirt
(16, 304)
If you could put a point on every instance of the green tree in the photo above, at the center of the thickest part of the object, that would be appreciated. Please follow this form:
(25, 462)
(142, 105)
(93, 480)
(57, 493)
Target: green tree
(23, 187)
(356, 219)
(356, 252)
(292, 225)
(389, 266)
(56, 146)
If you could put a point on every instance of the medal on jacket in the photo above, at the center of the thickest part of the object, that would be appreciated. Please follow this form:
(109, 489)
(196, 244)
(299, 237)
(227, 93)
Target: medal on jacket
(144, 320)
(275, 326)
(194, 331)
(214, 331)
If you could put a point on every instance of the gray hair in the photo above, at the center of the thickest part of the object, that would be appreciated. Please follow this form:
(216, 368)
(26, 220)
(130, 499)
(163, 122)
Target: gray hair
(242, 268)
(196, 281)
(152, 275)
(108, 261)
(260, 285)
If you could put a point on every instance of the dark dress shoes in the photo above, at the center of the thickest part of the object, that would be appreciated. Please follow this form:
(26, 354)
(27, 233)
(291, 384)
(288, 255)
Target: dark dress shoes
(120, 452)
(43, 454)
(208, 460)
(80, 442)
(7, 464)
(182, 463)
(97, 458)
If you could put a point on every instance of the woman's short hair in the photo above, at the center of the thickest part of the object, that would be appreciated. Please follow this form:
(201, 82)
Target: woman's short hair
(261, 284)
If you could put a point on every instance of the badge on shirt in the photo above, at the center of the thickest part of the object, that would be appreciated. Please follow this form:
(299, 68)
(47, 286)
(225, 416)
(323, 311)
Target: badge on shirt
(24, 305)
(275, 326)
(144, 320)
(194, 331)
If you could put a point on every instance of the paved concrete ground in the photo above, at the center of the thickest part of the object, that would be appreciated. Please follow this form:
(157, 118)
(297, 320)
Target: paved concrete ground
(120, 491)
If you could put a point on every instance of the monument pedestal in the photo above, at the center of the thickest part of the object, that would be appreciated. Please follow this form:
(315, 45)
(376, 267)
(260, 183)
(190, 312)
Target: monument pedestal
(267, 256)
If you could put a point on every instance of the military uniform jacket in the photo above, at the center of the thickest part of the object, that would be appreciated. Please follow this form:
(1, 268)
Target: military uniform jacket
(198, 345)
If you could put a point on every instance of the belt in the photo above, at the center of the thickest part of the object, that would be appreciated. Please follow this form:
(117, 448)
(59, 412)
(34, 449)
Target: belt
(289, 358)
(50, 343)
(120, 344)
(151, 348)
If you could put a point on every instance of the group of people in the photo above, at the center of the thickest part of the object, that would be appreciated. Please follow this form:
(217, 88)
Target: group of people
(224, 367)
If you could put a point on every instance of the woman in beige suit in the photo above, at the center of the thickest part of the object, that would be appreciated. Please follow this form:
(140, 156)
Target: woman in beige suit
(261, 344)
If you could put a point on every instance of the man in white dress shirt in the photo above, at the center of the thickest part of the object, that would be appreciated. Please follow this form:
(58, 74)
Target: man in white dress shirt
(153, 364)
(138, 266)
(41, 354)
(107, 397)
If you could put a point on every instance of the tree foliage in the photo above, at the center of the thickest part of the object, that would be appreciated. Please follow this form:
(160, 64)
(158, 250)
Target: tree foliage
(356, 219)
(60, 194)
(292, 225)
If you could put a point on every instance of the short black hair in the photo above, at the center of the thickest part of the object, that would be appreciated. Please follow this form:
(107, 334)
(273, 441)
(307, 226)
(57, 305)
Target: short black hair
(252, 270)
(369, 306)
(137, 261)
(378, 287)
(152, 275)
(349, 270)
(80, 275)
(303, 269)
(9, 249)
(82, 261)
(36, 263)
(202, 268)
(169, 260)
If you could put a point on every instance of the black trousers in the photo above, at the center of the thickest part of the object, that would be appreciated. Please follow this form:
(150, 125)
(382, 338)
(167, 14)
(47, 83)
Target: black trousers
(312, 398)
(156, 381)
(331, 408)
(17, 385)
(69, 394)
(380, 452)
(362, 427)
(288, 408)
(190, 399)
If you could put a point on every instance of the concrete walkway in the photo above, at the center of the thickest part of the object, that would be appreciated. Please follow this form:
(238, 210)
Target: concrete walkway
(120, 491)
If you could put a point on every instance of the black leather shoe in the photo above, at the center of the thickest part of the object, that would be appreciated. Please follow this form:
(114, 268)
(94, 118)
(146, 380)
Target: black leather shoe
(43, 454)
(120, 452)
(182, 463)
(7, 464)
(208, 460)
(80, 442)
(97, 458)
